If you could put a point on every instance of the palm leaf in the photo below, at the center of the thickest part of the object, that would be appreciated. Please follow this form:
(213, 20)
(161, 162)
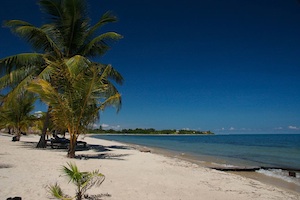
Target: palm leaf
(98, 46)
(57, 192)
(76, 64)
(61, 111)
(83, 180)
(19, 88)
(53, 8)
(111, 73)
(22, 60)
(37, 37)
(106, 18)
(91, 179)
(72, 173)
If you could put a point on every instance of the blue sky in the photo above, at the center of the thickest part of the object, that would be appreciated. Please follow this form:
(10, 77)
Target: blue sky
(227, 66)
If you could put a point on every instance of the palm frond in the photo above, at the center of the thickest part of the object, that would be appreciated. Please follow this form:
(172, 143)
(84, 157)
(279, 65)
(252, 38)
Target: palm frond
(18, 88)
(46, 73)
(53, 8)
(111, 73)
(35, 36)
(91, 179)
(21, 60)
(76, 64)
(105, 18)
(98, 46)
(57, 192)
(73, 173)
(61, 112)
(114, 100)
(73, 25)
(17, 76)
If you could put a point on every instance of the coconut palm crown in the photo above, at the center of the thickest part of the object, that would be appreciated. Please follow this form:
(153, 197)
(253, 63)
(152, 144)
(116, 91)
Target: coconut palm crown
(68, 33)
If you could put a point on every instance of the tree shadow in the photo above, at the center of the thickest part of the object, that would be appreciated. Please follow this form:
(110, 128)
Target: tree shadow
(5, 166)
(120, 147)
(103, 152)
(28, 145)
(100, 149)
(102, 156)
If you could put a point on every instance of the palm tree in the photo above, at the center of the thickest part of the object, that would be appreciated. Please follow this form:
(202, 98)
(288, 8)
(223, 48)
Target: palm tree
(68, 33)
(83, 92)
(82, 180)
(15, 114)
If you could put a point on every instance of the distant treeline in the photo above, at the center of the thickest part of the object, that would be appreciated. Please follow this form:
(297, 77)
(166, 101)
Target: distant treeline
(148, 131)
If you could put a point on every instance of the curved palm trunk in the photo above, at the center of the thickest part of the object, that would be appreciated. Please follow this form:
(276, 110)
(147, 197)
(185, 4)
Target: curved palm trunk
(72, 146)
(42, 142)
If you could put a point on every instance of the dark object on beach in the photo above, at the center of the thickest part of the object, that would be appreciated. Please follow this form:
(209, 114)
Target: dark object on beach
(14, 198)
(15, 138)
(237, 169)
(293, 174)
(145, 150)
(58, 142)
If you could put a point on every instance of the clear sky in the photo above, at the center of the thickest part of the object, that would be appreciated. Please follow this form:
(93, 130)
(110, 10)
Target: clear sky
(229, 66)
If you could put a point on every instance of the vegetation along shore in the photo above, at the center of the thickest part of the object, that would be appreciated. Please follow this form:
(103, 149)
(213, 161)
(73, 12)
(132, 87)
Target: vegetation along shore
(151, 131)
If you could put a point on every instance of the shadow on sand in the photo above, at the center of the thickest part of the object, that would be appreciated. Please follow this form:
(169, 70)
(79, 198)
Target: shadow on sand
(96, 148)
(102, 152)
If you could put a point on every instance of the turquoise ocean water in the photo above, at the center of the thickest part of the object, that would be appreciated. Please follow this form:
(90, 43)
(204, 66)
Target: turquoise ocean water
(278, 151)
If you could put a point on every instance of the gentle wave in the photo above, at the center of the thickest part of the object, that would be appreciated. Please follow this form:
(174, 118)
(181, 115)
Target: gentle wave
(281, 174)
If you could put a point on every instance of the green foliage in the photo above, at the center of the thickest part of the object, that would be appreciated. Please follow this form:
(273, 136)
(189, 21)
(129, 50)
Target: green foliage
(83, 91)
(83, 181)
(66, 45)
(16, 114)
(149, 131)
(57, 192)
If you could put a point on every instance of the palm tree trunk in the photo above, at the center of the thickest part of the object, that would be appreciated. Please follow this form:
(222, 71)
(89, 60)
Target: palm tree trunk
(72, 146)
(42, 142)
(17, 136)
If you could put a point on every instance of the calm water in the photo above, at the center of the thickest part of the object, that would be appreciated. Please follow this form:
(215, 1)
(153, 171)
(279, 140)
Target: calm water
(275, 151)
(280, 150)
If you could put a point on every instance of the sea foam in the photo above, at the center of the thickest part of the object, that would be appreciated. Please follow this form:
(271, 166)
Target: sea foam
(281, 174)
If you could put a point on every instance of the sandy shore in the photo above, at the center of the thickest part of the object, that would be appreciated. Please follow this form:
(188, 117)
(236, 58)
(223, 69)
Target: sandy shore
(130, 174)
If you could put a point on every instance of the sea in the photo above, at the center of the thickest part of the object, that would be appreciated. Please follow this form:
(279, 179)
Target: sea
(276, 153)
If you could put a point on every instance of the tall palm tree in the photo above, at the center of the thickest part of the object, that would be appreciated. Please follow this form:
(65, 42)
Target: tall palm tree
(67, 33)
(16, 115)
(83, 92)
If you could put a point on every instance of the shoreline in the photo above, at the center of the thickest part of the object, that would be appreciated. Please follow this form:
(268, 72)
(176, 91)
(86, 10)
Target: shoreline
(130, 174)
(212, 162)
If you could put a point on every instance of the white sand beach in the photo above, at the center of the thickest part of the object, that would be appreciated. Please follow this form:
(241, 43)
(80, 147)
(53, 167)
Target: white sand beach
(130, 174)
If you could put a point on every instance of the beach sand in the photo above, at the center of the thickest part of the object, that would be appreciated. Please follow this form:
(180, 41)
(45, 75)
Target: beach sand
(130, 174)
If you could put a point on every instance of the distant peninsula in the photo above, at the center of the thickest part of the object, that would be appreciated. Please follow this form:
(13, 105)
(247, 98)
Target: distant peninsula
(151, 131)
